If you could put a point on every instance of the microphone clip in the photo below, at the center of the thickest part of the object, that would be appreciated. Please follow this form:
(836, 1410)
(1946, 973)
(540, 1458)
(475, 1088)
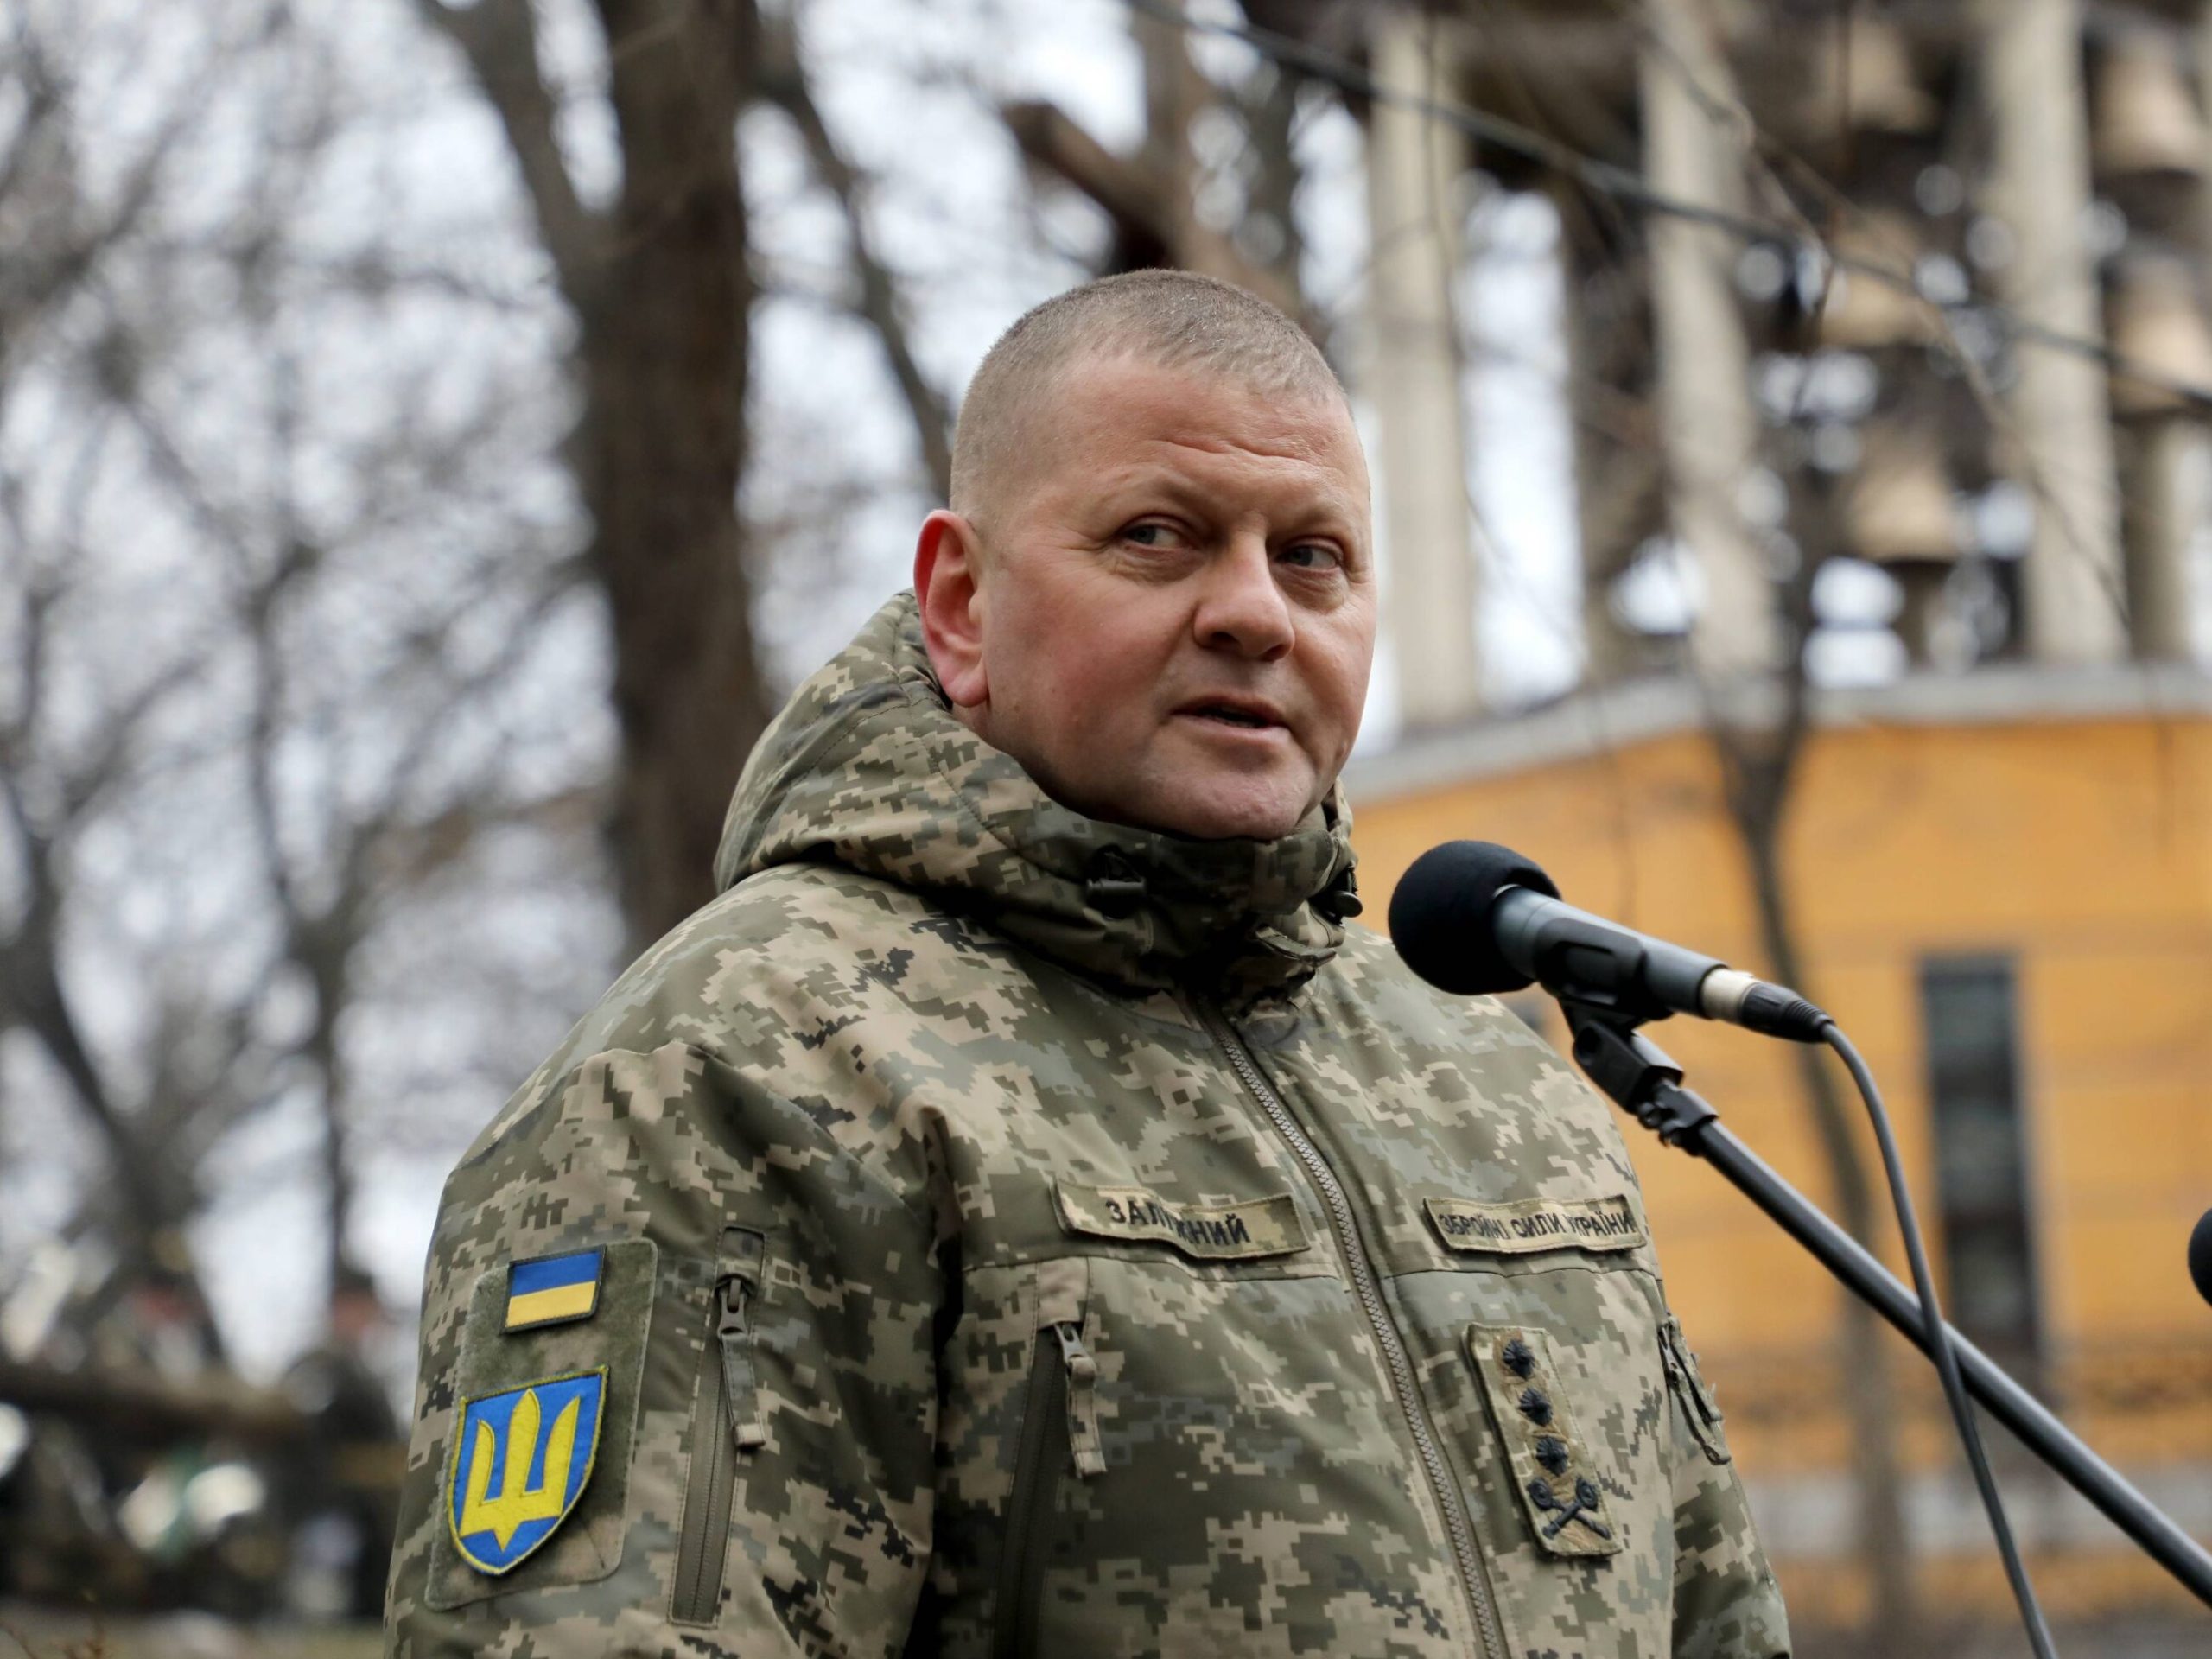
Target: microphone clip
(1636, 1072)
(1601, 968)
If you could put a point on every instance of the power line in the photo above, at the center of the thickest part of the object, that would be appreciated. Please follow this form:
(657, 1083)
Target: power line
(1619, 184)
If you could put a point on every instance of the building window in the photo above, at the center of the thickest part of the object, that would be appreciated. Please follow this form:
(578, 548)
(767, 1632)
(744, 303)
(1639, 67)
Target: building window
(1968, 1007)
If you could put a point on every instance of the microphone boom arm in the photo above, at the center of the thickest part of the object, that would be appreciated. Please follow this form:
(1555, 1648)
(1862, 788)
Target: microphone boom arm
(1639, 1076)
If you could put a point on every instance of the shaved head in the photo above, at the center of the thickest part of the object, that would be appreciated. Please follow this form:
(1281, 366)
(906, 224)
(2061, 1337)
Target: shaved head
(1155, 587)
(1173, 319)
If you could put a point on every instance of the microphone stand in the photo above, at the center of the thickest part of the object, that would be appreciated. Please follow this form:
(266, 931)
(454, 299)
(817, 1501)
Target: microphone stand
(1640, 1077)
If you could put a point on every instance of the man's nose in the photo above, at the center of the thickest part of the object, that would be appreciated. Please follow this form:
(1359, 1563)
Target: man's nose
(1242, 608)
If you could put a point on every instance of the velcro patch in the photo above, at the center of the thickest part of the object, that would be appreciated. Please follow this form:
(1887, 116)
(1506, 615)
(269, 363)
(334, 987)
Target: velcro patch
(553, 1290)
(1530, 1224)
(535, 1489)
(514, 1478)
(1563, 1491)
(1268, 1226)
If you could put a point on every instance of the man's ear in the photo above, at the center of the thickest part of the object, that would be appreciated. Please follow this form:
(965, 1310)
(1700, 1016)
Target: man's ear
(948, 584)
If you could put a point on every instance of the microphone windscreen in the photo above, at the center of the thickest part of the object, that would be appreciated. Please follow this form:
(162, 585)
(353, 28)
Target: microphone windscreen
(1439, 916)
(2200, 1255)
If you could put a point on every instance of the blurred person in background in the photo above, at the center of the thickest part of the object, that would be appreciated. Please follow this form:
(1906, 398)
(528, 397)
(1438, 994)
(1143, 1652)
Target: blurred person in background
(1020, 1213)
(187, 1493)
(57, 1531)
(339, 1485)
(156, 1326)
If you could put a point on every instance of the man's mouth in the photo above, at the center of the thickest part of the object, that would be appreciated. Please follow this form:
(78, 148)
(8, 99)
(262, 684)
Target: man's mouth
(1246, 717)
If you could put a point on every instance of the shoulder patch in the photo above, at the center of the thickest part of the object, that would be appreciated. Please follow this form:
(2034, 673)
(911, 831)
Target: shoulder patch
(524, 1458)
(533, 1483)
(1215, 1232)
(1530, 1224)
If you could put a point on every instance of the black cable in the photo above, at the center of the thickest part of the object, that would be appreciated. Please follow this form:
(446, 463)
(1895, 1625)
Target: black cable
(1620, 184)
(1939, 1341)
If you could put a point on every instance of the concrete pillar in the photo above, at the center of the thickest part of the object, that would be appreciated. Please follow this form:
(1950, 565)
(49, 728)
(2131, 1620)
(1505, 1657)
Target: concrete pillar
(2039, 187)
(2170, 479)
(1413, 164)
(2201, 46)
(1619, 484)
(1708, 429)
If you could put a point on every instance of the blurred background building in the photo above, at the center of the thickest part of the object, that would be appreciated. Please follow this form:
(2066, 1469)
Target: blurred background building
(433, 436)
(1966, 369)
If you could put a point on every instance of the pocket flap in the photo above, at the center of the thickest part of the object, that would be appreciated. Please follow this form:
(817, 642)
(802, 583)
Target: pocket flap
(1699, 1407)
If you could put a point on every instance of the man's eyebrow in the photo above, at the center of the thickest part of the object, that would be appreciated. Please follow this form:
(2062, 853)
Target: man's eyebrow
(1331, 502)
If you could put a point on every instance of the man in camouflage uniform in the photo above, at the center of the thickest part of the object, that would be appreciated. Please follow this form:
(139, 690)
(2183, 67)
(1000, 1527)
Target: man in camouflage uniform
(1018, 1215)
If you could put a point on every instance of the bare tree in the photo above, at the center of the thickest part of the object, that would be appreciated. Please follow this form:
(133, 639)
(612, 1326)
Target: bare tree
(1702, 140)
(364, 715)
(783, 81)
(262, 649)
(658, 285)
(1761, 762)
(1150, 198)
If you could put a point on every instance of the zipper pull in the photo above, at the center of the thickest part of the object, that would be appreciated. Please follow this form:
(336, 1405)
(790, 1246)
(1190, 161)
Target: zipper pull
(734, 1335)
(1083, 1400)
(1081, 1366)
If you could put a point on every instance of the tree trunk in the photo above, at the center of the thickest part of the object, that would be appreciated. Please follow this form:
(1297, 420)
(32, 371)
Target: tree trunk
(324, 954)
(1758, 799)
(661, 446)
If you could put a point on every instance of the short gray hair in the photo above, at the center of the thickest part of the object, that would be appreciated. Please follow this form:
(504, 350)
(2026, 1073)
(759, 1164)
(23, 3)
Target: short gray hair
(1172, 318)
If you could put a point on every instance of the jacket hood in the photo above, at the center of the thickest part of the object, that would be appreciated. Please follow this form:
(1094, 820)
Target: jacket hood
(867, 767)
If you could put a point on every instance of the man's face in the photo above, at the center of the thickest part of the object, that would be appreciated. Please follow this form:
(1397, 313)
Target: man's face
(1174, 608)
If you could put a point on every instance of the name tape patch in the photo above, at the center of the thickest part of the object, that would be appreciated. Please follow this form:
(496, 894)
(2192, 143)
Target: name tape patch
(1268, 1226)
(1530, 1224)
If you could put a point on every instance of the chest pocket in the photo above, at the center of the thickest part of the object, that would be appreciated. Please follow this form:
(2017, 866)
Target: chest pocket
(1540, 1320)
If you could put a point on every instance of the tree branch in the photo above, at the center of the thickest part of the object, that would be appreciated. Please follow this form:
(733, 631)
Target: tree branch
(783, 81)
(500, 40)
(1134, 199)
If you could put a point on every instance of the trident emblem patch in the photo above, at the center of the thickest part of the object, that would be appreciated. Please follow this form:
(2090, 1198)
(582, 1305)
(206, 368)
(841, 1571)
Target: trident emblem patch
(520, 1460)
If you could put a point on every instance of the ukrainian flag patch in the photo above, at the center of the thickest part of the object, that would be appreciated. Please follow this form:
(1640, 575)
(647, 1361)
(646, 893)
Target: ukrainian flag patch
(520, 1460)
(553, 1290)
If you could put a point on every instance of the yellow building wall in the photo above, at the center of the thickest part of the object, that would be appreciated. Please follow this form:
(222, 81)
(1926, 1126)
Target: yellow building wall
(2083, 849)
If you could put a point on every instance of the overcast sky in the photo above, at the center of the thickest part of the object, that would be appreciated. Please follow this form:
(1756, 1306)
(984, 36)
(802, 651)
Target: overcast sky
(977, 245)
(909, 86)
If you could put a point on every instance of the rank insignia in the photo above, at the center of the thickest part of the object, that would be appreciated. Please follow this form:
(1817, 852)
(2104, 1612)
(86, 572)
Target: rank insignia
(520, 1460)
(553, 1290)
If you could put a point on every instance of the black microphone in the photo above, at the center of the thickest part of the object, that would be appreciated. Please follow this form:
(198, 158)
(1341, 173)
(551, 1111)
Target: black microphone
(1472, 917)
(2200, 1255)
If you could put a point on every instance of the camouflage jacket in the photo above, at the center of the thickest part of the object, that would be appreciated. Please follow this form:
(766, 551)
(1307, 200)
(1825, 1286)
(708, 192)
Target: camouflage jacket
(1008, 1232)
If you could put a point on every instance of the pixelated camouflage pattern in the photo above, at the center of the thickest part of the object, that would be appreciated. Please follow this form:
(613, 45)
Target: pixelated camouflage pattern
(931, 1002)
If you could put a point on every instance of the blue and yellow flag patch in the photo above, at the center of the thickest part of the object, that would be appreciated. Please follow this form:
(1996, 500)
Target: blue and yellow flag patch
(553, 1290)
(520, 1460)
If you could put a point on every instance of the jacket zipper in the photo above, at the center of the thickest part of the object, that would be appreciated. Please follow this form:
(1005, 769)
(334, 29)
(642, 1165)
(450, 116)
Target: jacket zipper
(1044, 1411)
(1472, 1579)
(717, 1430)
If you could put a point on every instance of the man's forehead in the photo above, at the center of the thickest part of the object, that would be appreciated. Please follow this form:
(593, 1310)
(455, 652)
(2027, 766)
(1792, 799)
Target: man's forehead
(1133, 404)
(1137, 378)
(1206, 474)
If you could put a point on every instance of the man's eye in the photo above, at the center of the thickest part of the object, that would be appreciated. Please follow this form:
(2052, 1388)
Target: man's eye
(1150, 534)
(1313, 555)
